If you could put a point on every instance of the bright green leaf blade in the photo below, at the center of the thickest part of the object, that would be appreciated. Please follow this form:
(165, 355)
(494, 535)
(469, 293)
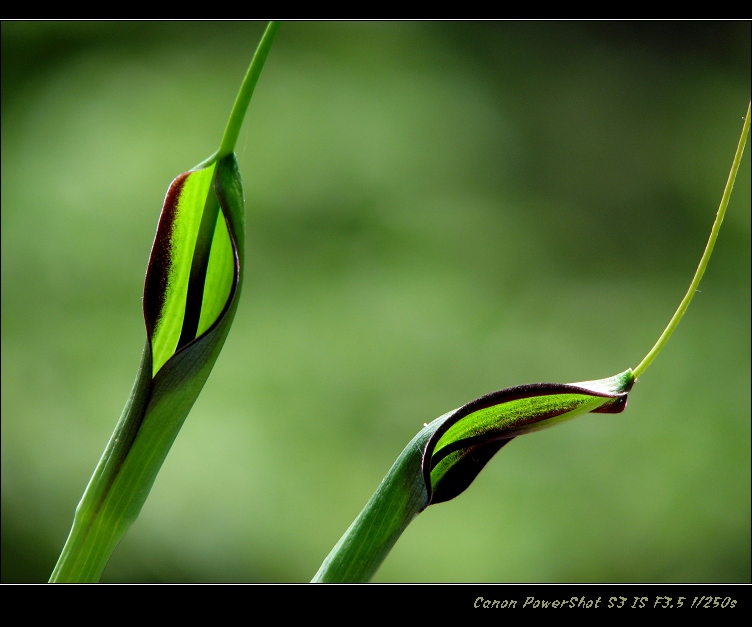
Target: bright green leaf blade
(517, 417)
(219, 276)
(171, 260)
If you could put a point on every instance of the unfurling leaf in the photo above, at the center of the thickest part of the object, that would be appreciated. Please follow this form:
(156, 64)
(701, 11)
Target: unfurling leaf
(190, 297)
(467, 438)
(444, 458)
(194, 266)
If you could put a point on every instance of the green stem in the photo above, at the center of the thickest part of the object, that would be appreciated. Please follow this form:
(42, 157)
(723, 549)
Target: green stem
(705, 256)
(93, 537)
(232, 131)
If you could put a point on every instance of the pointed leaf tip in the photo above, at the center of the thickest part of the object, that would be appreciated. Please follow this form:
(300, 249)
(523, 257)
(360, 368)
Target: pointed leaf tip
(470, 436)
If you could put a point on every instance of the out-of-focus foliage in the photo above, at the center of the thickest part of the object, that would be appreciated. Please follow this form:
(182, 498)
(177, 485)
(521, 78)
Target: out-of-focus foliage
(435, 211)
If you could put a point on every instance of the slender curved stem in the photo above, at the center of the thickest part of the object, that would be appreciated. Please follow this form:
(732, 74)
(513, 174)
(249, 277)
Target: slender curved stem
(705, 256)
(232, 131)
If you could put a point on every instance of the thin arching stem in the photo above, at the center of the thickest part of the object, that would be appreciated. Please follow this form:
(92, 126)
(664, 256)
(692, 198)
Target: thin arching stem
(705, 256)
(232, 131)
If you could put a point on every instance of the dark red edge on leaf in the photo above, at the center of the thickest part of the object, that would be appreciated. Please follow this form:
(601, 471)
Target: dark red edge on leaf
(158, 268)
(170, 215)
(235, 283)
(504, 396)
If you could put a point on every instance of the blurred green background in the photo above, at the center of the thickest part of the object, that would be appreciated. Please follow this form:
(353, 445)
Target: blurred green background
(435, 211)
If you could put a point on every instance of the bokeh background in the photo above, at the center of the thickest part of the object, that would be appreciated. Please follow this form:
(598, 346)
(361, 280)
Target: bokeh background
(435, 211)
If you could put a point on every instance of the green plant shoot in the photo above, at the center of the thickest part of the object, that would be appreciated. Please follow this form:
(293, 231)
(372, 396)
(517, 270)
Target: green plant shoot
(444, 458)
(191, 292)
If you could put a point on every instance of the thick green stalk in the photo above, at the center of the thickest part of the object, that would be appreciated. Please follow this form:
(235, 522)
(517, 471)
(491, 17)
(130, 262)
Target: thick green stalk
(86, 552)
(167, 386)
(400, 498)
